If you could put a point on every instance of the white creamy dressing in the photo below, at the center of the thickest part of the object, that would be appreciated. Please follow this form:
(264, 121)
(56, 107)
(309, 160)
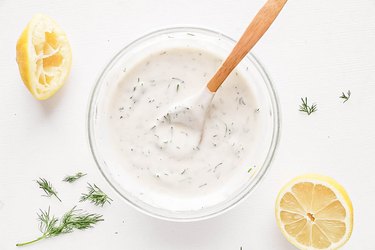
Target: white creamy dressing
(168, 169)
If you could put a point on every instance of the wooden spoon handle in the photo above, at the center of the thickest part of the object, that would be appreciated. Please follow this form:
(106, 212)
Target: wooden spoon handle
(260, 24)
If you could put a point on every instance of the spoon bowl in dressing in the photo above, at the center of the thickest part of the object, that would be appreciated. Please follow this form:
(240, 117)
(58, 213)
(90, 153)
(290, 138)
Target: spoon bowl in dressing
(185, 121)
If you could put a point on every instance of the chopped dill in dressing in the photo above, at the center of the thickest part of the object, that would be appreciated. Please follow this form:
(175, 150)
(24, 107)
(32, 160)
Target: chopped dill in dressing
(164, 167)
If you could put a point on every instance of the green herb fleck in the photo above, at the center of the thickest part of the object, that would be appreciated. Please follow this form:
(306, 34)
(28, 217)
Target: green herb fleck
(178, 79)
(167, 117)
(50, 226)
(304, 107)
(345, 96)
(73, 178)
(204, 184)
(47, 187)
(215, 168)
(96, 195)
(251, 169)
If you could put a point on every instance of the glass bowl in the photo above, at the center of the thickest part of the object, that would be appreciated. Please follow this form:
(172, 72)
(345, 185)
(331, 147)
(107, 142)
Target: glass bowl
(185, 37)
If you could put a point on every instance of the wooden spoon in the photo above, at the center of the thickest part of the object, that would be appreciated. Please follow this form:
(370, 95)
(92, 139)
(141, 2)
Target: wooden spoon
(260, 24)
(189, 115)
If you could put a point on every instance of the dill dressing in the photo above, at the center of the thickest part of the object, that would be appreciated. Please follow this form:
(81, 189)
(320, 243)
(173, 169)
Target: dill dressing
(164, 169)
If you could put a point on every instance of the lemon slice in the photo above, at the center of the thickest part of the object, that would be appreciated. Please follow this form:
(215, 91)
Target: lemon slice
(314, 212)
(44, 56)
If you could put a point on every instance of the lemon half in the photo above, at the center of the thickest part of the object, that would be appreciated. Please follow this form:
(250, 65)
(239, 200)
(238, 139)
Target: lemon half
(314, 212)
(44, 56)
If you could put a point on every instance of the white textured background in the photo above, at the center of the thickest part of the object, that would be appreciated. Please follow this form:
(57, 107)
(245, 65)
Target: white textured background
(316, 48)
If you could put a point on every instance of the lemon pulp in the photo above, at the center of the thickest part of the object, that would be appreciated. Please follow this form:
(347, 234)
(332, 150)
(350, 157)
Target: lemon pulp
(314, 212)
(44, 56)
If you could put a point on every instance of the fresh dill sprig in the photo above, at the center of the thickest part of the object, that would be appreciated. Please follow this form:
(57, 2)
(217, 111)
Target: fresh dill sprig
(47, 188)
(96, 195)
(345, 96)
(73, 178)
(304, 107)
(50, 226)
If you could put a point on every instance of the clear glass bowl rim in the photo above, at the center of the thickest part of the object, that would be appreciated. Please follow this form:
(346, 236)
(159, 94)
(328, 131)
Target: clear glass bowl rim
(271, 151)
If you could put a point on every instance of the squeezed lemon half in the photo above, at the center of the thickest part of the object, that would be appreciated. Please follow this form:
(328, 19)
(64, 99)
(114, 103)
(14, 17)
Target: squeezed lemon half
(44, 56)
(314, 212)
